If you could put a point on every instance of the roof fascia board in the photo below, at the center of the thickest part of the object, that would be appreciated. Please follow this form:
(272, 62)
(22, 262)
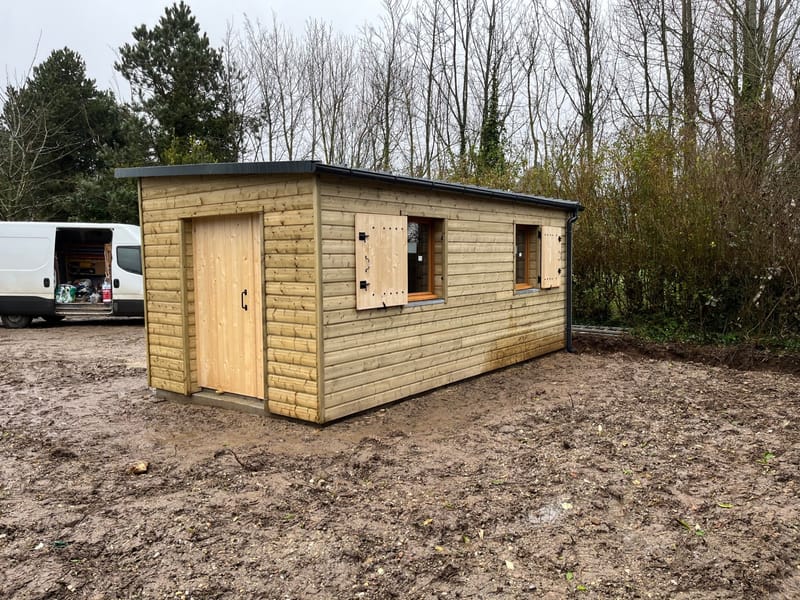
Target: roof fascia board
(311, 167)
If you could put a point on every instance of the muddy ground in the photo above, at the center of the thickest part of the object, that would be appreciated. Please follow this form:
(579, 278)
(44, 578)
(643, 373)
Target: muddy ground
(616, 472)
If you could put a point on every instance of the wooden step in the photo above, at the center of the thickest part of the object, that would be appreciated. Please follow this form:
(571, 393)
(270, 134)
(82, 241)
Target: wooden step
(229, 401)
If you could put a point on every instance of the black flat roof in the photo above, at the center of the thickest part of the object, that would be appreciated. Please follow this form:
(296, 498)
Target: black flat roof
(316, 167)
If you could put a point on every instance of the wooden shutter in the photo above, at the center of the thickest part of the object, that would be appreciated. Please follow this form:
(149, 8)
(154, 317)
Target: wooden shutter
(381, 261)
(551, 257)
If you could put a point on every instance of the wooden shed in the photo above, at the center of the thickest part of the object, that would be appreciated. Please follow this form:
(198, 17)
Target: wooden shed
(316, 291)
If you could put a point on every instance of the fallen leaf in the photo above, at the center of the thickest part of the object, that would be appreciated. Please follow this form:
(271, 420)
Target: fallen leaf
(569, 576)
(696, 529)
(724, 504)
(509, 565)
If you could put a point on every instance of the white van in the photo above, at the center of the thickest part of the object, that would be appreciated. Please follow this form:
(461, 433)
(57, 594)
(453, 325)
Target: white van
(55, 270)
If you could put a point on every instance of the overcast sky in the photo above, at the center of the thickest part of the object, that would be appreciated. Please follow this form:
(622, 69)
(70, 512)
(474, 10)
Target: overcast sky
(97, 28)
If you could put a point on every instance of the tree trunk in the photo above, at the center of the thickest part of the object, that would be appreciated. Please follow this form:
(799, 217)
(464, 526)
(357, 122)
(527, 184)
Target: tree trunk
(689, 129)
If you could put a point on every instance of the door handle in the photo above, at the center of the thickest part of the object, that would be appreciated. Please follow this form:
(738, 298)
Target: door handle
(244, 293)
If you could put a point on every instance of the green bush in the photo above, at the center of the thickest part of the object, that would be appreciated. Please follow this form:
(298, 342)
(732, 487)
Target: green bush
(699, 255)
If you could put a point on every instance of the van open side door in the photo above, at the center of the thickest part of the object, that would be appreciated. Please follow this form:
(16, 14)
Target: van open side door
(126, 275)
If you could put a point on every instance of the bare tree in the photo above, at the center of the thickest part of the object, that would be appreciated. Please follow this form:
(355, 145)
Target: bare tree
(664, 36)
(689, 125)
(262, 44)
(582, 36)
(27, 149)
(637, 47)
(533, 55)
(456, 55)
(498, 83)
(331, 71)
(240, 92)
(385, 52)
(428, 35)
(762, 34)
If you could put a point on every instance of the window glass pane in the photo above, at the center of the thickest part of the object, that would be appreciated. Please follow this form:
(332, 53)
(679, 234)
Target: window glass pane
(419, 236)
(520, 256)
(129, 258)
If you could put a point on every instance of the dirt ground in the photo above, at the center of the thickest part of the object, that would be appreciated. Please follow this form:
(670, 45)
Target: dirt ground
(615, 472)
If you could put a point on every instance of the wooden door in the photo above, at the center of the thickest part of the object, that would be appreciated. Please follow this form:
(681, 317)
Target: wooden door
(228, 304)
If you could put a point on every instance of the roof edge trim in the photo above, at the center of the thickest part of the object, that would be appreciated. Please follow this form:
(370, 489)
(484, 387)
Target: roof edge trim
(311, 167)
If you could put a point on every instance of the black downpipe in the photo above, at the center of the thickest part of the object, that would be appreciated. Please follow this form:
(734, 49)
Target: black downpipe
(570, 223)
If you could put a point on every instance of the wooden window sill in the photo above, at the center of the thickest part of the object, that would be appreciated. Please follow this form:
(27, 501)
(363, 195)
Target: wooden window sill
(420, 296)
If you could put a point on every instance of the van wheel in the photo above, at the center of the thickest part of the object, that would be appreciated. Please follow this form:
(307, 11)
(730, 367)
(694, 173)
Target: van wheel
(16, 321)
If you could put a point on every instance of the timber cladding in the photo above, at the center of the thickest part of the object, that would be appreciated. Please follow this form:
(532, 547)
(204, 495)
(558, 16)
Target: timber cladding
(285, 207)
(369, 290)
(376, 356)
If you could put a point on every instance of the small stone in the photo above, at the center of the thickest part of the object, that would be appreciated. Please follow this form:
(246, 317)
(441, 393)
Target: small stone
(139, 467)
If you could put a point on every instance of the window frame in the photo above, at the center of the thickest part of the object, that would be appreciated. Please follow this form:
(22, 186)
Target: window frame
(532, 235)
(430, 254)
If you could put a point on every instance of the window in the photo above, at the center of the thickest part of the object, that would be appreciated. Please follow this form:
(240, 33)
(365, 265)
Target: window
(526, 257)
(421, 259)
(399, 260)
(129, 258)
(537, 257)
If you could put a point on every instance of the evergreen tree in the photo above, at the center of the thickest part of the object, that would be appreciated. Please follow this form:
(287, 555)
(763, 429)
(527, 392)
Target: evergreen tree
(102, 197)
(490, 163)
(54, 128)
(178, 79)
